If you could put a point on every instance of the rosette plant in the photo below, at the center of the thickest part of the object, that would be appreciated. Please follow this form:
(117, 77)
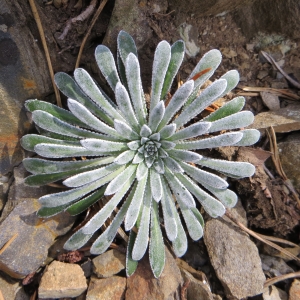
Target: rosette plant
(148, 159)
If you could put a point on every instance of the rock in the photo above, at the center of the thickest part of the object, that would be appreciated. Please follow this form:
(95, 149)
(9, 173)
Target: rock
(270, 100)
(87, 268)
(190, 36)
(283, 120)
(143, 286)
(62, 280)
(262, 74)
(295, 290)
(275, 266)
(109, 263)
(11, 289)
(112, 288)
(33, 235)
(289, 152)
(274, 293)
(234, 258)
(24, 74)
(196, 289)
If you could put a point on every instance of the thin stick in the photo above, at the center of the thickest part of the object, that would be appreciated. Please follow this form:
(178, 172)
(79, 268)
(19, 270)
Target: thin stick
(99, 10)
(278, 240)
(8, 243)
(274, 280)
(1, 296)
(43, 39)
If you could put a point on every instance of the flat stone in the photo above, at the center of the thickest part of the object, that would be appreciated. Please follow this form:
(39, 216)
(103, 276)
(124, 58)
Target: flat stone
(62, 280)
(234, 258)
(275, 266)
(109, 263)
(112, 288)
(283, 120)
(294, 291)
(142, 285)
(274, 293)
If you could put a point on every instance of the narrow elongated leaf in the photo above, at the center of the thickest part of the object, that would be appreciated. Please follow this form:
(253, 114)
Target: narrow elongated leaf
(54, 135)
(156, 115)
(29, 141)
(237, 120)
(184, 155)
(46, 212)
(134, 208)
(191, 131)
(161, 61)
(141, 170)
(41, 166)
(208, 96)
(133, 76)
(239, 169)
(180, 243)
(177, 54)
(77, 240)
(173, 165)
(232, 77)
(141, 242)
(131, 264)
(226, 139)
(229, 108)
(71, 89)
(156, 247)
(197, 214)
(106, 64)
(250, 137)
(103, 146)
(156, 185)
(167, 131)
(227, 197)
(125, 130)
(126, 45)
(125, 157)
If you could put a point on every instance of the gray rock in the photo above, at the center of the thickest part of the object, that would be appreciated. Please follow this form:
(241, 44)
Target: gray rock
(62, 280)
(234, 258)
(275, 266)
(112, 288)
(109, 263)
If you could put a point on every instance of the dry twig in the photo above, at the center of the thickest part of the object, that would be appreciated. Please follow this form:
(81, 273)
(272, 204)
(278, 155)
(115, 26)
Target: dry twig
(8, 243)
(43, 39)
(274, 280)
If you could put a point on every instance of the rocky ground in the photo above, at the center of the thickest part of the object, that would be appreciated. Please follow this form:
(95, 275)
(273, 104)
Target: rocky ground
(228, 263)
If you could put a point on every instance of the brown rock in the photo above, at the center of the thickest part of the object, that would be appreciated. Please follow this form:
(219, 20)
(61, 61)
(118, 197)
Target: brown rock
(109, 263)
(295, 290)
(112, 288)
(62, 280)
(143, 286)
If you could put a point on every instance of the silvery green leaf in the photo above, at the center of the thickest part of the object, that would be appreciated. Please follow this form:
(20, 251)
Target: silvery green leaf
(159, 166)
(208, 96)
(149, 161)
(77, 240)
(184, 155)
(71, 89)
(237, 120)
(177, 101)
(101, 216)
(133, 76)
(139, 157)
(83, 204)
(51, 123)
(125, 106)
(46, 212)
(145, 131)
(168, 208)
(103, 146)
(60, 113)
(229, 108)
(134, 145)
(173, 165)
(167, 131)
(156, 115)
(227, 197)
(226, 139)
(125, 157)
(180, 243)
(232, 77)
(41, 166)
(118, 182)
(126, 45)
(90, 176)
(134, 207)
(88, 85)
(106, 238)
(197, 214)
(179, 190)
(161, 61)
(250, 137)
(84, 115)
(141, 242)
(191, 131)
(162, 153)
(167, 145)
(29, 141)
(126, 131)
(156, 185)
(211, 205)
(156, 247)
(131, 264)
(239, 169)
(141, 171)
(106, 64)
(54, 135)
(177, 54)
(122, 71)
(155, 137)
(203, 177)
(56, 151)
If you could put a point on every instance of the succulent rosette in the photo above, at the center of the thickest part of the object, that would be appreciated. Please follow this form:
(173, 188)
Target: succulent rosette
(146, 158)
